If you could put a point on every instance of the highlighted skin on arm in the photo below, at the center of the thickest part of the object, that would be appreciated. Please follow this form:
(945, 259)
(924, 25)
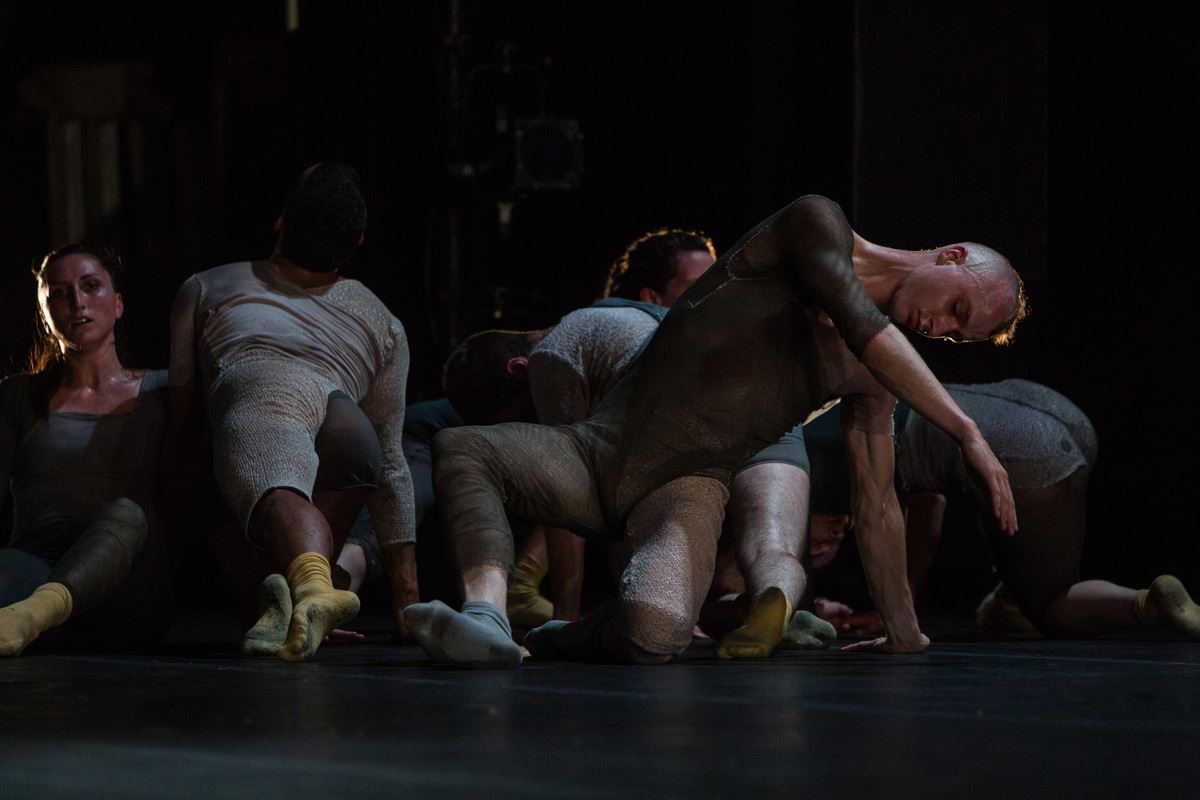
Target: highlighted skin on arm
(400, 563)
(895, 364)
(879, 526)
(923, 515)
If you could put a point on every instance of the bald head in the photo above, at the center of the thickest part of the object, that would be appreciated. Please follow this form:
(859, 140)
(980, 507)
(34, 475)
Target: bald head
(963, 292)
(991, 265)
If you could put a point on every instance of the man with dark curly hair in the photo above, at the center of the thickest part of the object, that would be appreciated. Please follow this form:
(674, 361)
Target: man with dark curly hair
(302, 373)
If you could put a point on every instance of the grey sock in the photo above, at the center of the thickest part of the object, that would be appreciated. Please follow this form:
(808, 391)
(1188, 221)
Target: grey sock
(807, 631)
(558, 639)
(480, 636)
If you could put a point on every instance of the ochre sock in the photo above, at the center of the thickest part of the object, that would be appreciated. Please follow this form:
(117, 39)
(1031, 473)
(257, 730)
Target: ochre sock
(317, 607)
(275, 615)
(1166, 604)
(769, 612)
(527, 608)
(48, 607)
(806, 631)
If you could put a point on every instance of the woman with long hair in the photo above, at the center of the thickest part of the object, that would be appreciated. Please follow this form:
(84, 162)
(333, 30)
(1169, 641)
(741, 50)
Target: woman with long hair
(80, 434)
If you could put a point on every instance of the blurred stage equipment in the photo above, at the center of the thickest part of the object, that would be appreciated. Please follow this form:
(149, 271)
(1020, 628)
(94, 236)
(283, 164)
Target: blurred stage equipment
(503, 146)
(549, 154)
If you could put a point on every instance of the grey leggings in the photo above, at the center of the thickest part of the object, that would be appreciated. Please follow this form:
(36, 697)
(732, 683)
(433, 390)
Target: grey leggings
(347, 448)
(547, 475)
(1042, 560)
(110, 566)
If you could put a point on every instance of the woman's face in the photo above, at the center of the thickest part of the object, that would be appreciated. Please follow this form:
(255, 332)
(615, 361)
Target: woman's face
(78, 303)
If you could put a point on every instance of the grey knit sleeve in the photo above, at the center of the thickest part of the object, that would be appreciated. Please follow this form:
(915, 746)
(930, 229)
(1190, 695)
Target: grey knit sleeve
(391, 504)
(560, 391)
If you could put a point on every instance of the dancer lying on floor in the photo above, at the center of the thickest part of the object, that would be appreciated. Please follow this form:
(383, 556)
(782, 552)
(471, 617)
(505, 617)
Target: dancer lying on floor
(1048, 447)
(765, 337)
(79, 442)
(302, 373)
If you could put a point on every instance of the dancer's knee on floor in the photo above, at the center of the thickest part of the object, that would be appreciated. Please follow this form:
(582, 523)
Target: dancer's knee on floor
(653, 635)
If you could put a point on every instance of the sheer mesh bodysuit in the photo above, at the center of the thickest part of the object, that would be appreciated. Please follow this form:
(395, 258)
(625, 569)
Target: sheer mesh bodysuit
(732, 368)
(271, 355)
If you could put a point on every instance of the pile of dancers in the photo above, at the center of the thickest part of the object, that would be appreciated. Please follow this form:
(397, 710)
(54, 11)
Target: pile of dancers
(717, 423)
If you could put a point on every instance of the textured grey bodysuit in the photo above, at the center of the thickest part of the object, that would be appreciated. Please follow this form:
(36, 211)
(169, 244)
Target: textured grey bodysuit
(270, 354)
(730, 370)
(1048, 446)
(580, 361)
(1039, 436)
(1044, 441)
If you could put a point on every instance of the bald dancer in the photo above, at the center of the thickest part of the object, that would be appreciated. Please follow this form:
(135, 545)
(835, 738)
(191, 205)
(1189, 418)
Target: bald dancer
(782, 324)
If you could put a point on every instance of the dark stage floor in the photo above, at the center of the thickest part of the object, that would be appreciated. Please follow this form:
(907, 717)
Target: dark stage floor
(1111, 718)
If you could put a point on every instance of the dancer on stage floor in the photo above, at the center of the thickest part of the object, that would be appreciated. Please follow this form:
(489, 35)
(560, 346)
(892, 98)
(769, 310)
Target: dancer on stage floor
(787, 320)
(80, 435)
(568, 370)
(1048, 447)
(554, 376)
(302, 374)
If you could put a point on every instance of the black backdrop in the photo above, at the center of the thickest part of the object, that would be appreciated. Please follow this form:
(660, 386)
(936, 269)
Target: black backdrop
(1061, 136)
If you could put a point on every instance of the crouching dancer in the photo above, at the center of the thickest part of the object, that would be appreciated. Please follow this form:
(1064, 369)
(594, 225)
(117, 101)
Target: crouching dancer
(783, 323)
(303, 374)
(1049, 447)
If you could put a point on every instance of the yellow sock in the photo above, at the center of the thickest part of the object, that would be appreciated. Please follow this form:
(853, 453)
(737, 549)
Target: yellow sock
(769, 612)
(48, 607)
(1166, 604)
(527, 608)
(317, 607)
(275, 616)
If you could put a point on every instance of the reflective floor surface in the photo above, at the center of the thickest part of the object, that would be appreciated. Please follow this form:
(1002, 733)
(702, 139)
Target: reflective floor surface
(1109, 718)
